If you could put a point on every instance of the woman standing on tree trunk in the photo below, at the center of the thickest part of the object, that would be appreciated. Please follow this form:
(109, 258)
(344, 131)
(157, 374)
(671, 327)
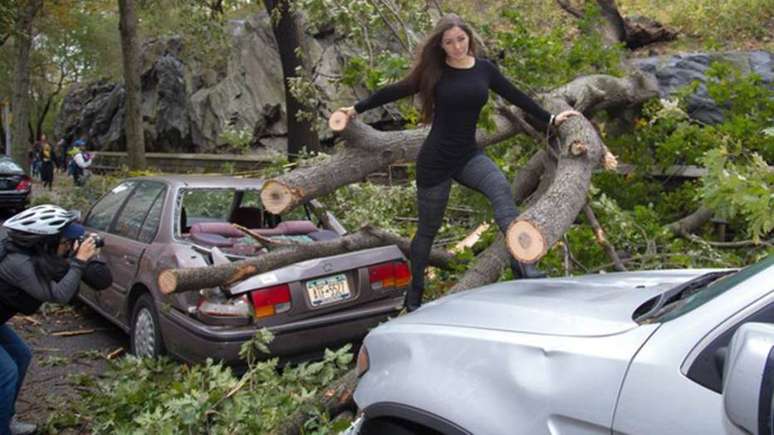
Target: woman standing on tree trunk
(453, 85)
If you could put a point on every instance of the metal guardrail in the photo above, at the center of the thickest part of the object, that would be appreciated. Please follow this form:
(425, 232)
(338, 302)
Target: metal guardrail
(108, 161)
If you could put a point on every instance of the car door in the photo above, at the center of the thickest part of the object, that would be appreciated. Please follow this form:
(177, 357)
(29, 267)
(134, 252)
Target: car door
(125, 246)
(99, 220)
(674, 383)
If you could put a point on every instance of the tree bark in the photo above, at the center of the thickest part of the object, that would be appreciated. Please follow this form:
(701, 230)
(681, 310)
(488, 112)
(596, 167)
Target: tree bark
(21, 88)
(301, 134)
(614, 30)
(531, 235)
(642, 31)
(195, 278)
(692, 222)
(130, 50)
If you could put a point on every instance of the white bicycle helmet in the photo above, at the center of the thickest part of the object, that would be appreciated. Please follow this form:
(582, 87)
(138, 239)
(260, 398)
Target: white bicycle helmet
(42, 220)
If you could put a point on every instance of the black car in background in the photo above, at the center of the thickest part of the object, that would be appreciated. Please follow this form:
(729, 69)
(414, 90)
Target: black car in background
(15, 186)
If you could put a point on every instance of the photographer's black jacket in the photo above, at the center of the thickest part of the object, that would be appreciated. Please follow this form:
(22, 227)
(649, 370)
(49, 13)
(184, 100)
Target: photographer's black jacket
(23, 291)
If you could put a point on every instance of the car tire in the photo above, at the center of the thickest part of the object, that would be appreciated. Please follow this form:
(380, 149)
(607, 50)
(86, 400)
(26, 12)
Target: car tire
(145, 334)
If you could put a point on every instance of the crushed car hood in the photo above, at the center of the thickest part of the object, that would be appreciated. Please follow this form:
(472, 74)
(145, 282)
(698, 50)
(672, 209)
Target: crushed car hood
(592, 305)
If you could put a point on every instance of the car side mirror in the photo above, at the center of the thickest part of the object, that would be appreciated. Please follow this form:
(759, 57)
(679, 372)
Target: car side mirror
(748, 378)
(77, 214)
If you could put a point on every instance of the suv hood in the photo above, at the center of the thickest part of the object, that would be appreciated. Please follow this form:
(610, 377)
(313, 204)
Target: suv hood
(591, 305)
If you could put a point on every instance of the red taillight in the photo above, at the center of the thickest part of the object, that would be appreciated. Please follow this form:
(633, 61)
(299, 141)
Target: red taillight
(271, 300)
(389, 275)
(24, 184)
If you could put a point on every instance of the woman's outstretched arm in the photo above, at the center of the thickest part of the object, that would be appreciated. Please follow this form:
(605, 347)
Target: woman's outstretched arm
(503, 87)
(385, 95)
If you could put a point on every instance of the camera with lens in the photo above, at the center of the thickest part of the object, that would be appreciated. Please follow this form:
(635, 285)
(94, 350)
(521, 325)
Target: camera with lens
(98, 241)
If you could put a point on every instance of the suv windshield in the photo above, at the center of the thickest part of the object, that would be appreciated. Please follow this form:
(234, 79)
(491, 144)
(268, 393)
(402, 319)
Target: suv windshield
(694, 297)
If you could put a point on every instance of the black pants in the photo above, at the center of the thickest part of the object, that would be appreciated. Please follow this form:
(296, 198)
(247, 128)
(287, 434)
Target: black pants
(47, 173)
(480, 174)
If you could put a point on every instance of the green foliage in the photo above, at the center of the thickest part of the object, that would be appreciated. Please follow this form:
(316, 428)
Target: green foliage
(749, 109)
(740, 184)
(161, 396)
(239, 139)
(724, 22)
(366, 203)
(736, 153)
(540, 59)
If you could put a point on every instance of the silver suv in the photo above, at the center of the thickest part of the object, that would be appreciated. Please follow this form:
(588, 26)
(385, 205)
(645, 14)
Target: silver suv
(623, 353)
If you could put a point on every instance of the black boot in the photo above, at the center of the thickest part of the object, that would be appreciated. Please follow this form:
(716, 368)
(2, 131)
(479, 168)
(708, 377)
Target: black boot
(413, 299)
(525, 270)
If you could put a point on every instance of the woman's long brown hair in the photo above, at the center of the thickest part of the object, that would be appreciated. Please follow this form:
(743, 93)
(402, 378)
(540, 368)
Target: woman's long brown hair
(430, 60)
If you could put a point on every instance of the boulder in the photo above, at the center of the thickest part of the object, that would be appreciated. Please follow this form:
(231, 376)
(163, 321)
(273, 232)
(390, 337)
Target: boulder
(186, 106)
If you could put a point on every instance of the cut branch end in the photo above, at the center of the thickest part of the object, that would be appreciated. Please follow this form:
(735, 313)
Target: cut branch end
(276, 197)
(526, 242)
(167, 281)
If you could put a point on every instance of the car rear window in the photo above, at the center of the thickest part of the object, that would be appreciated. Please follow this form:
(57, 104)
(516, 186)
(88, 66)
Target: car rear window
(207, 205)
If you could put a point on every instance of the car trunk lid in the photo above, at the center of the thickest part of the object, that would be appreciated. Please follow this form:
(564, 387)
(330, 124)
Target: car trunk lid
(593, 305)
(328, 284)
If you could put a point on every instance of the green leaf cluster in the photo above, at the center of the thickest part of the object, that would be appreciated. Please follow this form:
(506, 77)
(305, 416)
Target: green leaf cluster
(740, 185)
(538, 59)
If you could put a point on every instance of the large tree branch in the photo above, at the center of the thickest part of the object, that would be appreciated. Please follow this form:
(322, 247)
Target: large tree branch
(195, 278)
(692, 222)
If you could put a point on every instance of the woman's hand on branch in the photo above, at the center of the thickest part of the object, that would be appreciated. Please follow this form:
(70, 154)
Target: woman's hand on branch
(560, 118)
(349, 111)
(340, 118)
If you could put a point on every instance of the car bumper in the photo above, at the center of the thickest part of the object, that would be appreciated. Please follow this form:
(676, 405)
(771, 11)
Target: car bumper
(193, 341)
(14, 198)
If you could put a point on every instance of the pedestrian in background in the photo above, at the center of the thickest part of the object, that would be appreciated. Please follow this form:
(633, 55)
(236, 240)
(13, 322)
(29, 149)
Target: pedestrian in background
(47, 161)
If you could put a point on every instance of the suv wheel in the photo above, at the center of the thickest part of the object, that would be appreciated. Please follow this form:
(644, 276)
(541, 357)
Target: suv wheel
(145, 335)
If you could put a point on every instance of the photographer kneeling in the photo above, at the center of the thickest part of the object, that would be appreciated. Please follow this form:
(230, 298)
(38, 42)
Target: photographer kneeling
(43, 258)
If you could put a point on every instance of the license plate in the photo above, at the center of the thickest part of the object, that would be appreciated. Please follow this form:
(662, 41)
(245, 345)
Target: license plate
(327, 290)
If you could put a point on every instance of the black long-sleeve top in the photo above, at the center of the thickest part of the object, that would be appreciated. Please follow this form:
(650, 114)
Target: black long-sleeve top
(459, 97)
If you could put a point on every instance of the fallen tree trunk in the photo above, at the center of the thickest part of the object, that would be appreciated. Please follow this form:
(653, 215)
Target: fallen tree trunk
(195, 278)
(370, 151)
(580, 150)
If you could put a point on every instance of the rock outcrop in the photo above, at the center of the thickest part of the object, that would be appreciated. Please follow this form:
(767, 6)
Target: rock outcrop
(677, 71)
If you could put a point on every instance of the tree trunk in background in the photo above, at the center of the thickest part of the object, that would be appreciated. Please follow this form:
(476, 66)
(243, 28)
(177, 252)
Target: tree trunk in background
(130, 50)
(5, 127)
(300, 133)
(21, 86)
(615, 29)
